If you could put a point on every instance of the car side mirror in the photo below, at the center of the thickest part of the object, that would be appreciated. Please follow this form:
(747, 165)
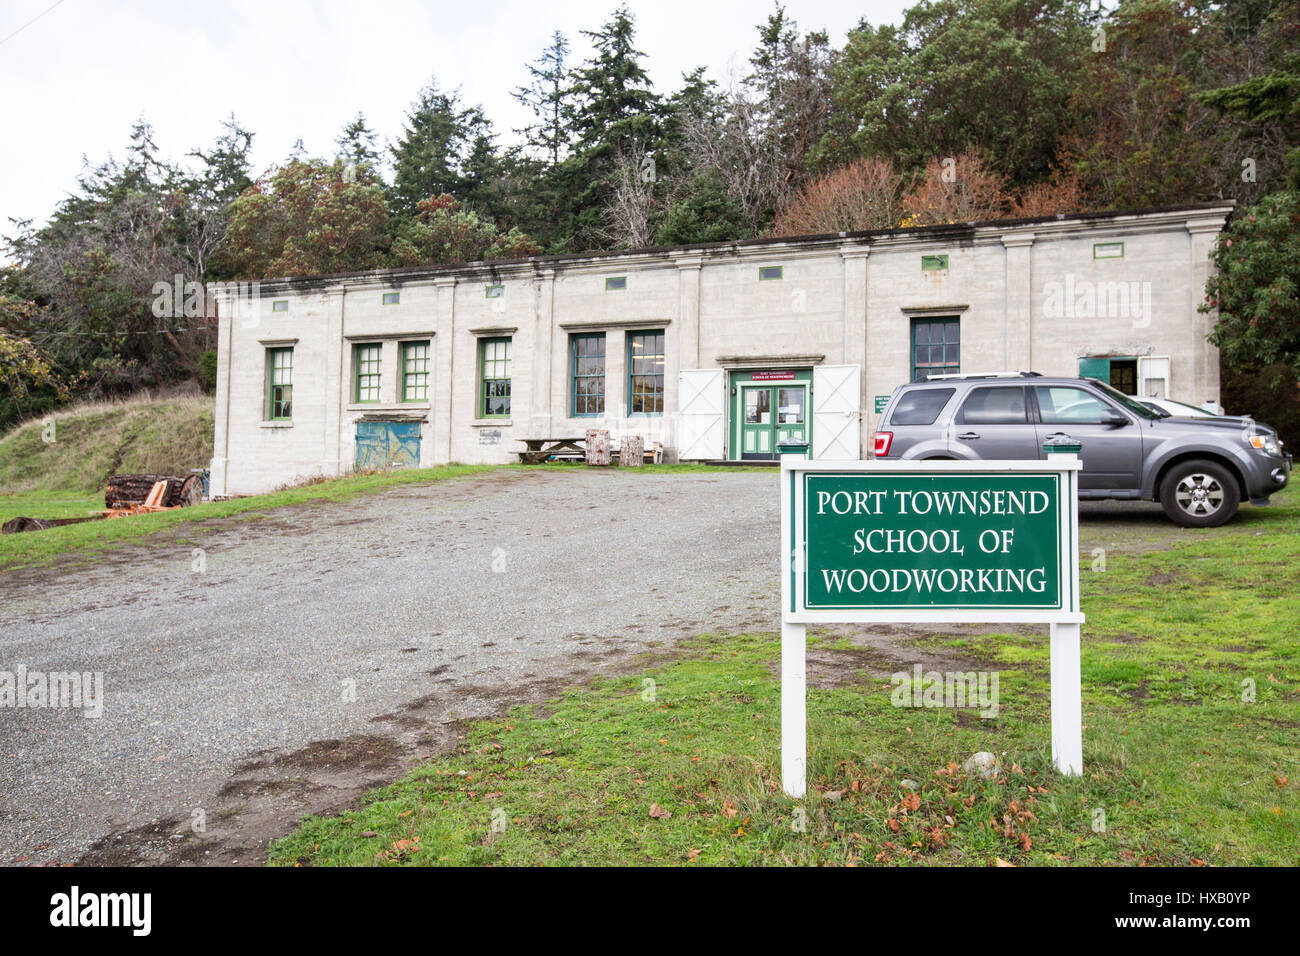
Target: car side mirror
(1111, 416)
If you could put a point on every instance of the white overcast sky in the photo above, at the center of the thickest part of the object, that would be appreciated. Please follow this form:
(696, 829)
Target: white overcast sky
(73, 82)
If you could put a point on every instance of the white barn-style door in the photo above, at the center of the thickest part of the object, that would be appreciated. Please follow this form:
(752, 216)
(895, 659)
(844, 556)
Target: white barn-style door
(702, 400)
(837, 412)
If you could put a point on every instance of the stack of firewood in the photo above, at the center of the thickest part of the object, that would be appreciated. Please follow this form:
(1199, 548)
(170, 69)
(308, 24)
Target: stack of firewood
(129, 491)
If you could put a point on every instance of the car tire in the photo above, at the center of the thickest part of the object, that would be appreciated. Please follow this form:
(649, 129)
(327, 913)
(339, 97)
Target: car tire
(1199, 494)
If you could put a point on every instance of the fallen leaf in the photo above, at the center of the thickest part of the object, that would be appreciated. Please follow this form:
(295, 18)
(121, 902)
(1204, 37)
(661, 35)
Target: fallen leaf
(659, 813)
(1002, 862)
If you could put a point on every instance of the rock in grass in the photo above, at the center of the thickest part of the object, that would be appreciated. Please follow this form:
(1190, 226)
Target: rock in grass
(911, 784)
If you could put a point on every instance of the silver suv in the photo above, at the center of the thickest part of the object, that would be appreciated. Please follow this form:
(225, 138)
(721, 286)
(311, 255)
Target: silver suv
(1199, 469)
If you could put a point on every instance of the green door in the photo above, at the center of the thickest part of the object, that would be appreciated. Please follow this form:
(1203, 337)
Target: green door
(768, 414)
(757, 430)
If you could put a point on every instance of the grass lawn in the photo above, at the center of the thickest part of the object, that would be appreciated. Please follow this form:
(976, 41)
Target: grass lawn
(1192, 730)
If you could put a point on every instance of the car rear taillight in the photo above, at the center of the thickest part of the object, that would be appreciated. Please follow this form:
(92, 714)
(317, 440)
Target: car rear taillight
(882, 442)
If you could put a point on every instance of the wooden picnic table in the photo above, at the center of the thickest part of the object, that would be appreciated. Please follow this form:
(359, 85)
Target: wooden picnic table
(541, 449)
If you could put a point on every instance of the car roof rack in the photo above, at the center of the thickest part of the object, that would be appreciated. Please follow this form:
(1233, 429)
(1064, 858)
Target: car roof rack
(958, 375)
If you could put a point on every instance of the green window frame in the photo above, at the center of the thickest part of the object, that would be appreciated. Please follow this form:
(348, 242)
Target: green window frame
(279, 384)
(587, 375)
(936, 347)
(280, 305)
(1108, 250)
(494, 378)
(366, 359)
(494, 291)
(616, 284)
(645, 373)
(391, 298)
(770, 273)
(937, 263)
(415, 371)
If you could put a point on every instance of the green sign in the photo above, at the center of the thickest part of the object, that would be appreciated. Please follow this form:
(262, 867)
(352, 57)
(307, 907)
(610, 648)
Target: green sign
(936, 539)
(882, 402)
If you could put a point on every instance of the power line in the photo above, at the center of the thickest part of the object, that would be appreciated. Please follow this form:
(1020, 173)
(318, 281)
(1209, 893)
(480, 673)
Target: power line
(31, 21)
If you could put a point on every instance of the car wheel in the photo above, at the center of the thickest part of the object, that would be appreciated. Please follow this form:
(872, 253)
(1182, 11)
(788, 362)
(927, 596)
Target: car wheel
(1199, 494)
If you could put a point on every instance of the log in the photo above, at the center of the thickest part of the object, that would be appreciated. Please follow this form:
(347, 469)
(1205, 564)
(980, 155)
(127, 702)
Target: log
(631, 451)
(126, 491)
(597, 446)
(19, 525)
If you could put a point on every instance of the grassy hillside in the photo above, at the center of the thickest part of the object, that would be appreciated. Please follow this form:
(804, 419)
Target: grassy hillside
(92, 442)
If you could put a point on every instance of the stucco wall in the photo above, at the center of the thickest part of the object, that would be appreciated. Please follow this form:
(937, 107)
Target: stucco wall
(1021, 292)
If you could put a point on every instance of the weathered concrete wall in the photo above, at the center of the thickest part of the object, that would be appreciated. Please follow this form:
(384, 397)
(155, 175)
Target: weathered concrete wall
(1028, 296)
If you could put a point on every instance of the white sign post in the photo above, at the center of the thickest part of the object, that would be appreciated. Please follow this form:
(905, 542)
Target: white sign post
(931, 542)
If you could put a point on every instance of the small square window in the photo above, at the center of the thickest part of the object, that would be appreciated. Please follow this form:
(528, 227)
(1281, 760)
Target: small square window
(280, 305)
(1108, 250)
(616, 283)
(769, 273)
(934, 263)
(392, 298)
(494, 291)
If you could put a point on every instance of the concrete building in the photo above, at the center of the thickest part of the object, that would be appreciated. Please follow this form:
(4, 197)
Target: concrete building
(714, 351)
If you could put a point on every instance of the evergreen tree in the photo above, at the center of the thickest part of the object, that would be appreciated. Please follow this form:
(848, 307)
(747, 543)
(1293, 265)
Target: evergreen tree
(432, 156)
(616, 115)
(547, 96)
(356, 144)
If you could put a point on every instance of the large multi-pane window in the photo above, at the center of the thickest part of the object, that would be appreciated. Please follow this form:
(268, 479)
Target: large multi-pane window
(936, 347)
(415, 371)
(366, 363)
(279, 384)
(494, 378)
(588, 372)
(645, 373)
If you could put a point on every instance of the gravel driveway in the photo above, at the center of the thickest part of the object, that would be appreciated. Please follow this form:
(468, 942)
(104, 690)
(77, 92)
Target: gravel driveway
(261, 667)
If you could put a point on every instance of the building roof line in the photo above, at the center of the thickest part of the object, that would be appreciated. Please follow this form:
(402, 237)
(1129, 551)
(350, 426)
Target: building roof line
(538, 265)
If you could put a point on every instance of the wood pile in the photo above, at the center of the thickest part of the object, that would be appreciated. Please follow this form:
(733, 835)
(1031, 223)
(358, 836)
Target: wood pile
(130, 491)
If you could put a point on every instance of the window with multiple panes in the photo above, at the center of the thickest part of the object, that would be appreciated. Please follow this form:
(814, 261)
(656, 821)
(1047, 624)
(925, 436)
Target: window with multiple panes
(279, 384)
(494, 378)
(587, 366)
(366, 363)
(936, 347)
(645, 373)
(415, 371)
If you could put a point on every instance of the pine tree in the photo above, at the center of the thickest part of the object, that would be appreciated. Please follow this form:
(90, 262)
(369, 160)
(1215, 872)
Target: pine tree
(547, 96)
(356, 144)
(432, 156)
(616, 115)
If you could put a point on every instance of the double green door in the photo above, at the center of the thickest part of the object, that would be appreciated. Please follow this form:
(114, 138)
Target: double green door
(768, 411)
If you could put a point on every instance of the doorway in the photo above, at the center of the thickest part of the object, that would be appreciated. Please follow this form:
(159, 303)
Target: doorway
(382, 445)
(768, 406)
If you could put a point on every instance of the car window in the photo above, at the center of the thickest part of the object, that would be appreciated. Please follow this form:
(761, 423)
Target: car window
(1063, 405)
(920, 406)
(994, 405)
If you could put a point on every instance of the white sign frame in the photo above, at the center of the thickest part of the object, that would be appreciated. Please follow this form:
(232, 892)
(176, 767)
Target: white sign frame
(1066, 675)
